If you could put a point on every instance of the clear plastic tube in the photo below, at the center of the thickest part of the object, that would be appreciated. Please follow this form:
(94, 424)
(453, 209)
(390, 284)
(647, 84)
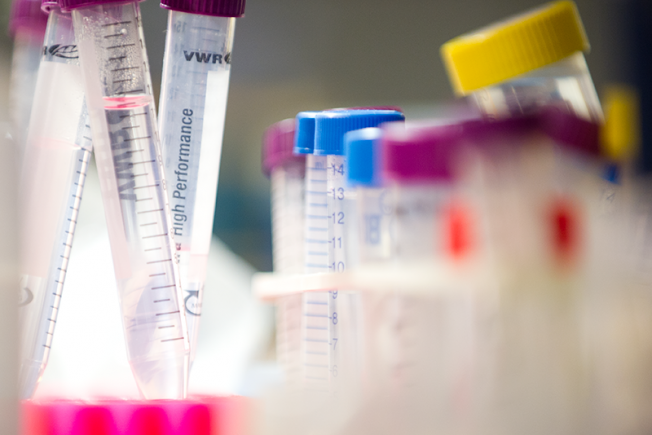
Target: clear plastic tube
(540, 201)
(194, 90)
(56, 159)
(130, 166)
(374, 236)
(316, 221)
(287, 217)
(287, 243)
(566, 83)
(330, 320)
(28, 50)
(386, 317)
(341, 309)
(619, 305)
(417, 217)
(342, 305)
(428, 339)
(288, 337)
(338, 193)
(315, 319)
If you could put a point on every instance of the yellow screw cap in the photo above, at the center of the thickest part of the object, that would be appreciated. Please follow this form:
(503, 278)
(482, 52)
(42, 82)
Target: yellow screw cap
(514, 46)
(621, 131)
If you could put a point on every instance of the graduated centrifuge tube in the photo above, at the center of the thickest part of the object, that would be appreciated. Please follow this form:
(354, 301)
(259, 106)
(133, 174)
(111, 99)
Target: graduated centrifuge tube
(384, 314)
(372, 234)
(329, 317)
(194, 89)
(286, 171)
(314, 342)
(130, 167)
(315, 236)
(536, 177)
(430, 350)
(330, 128)
(527, 61)
(54, 166)
(27, 27)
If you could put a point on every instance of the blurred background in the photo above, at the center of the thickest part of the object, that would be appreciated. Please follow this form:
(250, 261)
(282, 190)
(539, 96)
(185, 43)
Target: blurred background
(289, 56)
(293, 55)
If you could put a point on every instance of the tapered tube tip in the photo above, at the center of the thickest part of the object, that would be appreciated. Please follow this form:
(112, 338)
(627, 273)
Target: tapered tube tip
(165, 378)
(30, 375)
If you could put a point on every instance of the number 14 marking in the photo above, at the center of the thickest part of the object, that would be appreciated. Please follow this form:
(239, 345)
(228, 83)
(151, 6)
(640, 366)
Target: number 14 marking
(337, 169)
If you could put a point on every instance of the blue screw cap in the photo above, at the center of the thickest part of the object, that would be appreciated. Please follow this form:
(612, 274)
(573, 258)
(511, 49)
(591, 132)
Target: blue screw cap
(304, 137)
(362, 152)
(331, 126)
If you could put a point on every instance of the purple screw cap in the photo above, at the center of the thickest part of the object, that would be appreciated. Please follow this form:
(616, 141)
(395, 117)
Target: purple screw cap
(570, 130)
(278, 145)
(67, 5)
(419, 153)
(27, 13)
(47, 5)
(215, 8)
(487, 132)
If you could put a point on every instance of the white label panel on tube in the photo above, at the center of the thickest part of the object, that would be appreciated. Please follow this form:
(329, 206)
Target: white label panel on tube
(212, 133)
